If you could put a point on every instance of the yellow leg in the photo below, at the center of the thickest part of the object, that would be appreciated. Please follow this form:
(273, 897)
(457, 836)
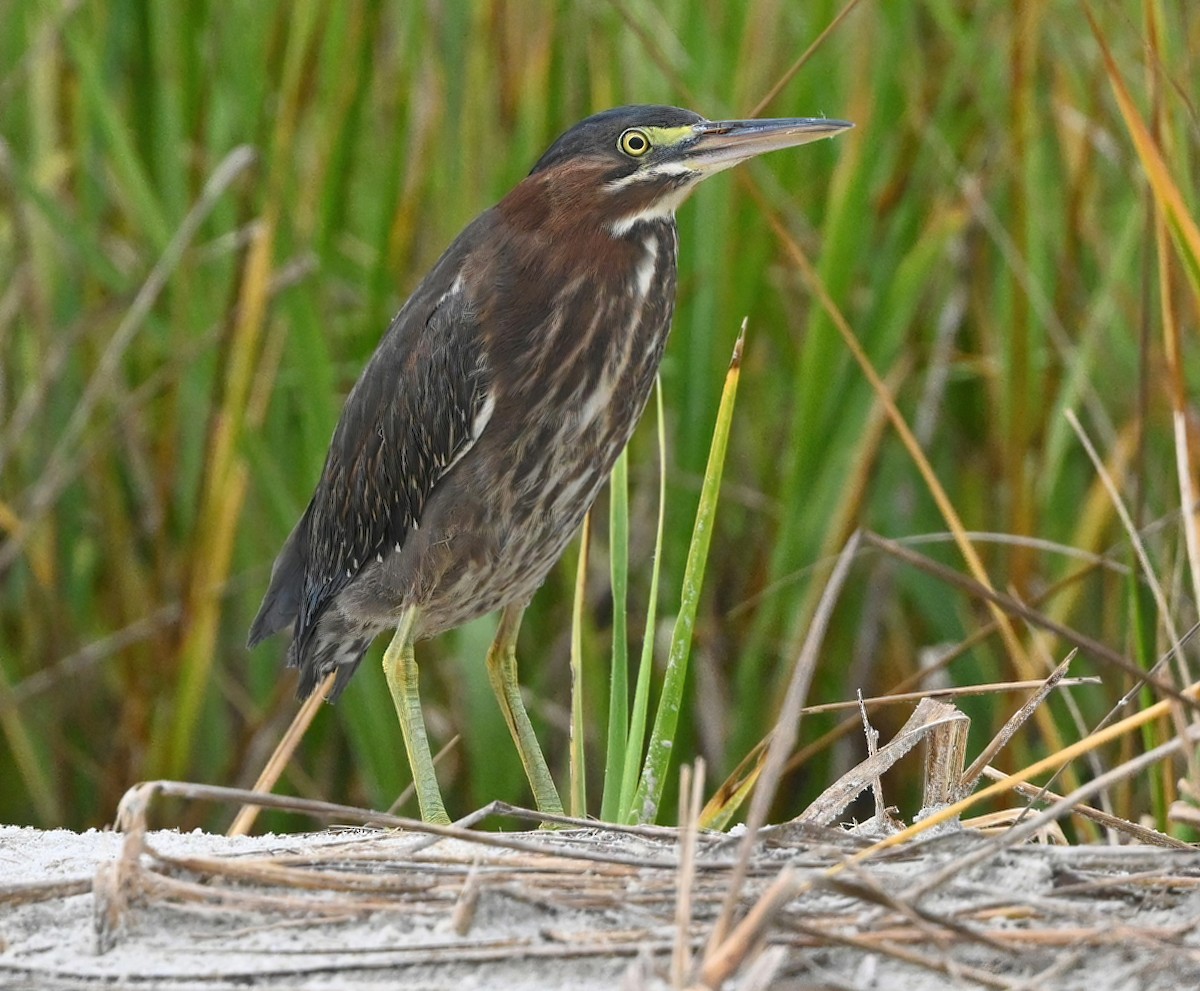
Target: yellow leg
(502, 672)
(400, 669)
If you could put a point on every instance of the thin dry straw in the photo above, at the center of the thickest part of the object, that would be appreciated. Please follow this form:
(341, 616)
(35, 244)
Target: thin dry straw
(1139, 548)
(282, 754)
(1160, 598)
(960, 691)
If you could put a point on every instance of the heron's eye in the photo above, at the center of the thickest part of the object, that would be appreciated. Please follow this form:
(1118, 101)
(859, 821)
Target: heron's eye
(634, 142)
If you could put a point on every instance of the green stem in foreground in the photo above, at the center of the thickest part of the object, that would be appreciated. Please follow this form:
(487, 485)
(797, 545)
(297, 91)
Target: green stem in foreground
(578, 785)
(641, 695)
(658, 754)
(618, 691)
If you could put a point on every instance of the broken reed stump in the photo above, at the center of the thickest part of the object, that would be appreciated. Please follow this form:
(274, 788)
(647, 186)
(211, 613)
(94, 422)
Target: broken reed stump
(945, 756)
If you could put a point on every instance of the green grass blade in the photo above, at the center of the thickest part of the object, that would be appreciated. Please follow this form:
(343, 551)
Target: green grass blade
(30, 764)
(618, 691)
(578, 802)
(641, 695)
(662, 738)
(1143, 624)
(132, 184)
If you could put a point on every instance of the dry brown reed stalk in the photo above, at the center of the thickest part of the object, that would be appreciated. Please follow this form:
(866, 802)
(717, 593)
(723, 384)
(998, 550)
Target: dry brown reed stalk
(871, 735)
(282, 754)
(945, 754)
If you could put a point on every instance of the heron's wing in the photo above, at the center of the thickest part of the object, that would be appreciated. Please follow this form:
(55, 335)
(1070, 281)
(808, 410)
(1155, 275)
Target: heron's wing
(418, 406)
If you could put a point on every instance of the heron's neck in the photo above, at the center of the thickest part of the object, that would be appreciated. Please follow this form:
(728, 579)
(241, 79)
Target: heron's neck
(654, 213)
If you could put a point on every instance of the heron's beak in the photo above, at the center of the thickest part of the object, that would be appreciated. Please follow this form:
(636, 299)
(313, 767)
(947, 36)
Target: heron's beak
(718, 144)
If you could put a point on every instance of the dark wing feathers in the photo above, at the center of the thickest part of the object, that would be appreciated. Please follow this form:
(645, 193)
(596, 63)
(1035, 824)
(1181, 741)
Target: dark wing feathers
(282, 601)
(412, 412)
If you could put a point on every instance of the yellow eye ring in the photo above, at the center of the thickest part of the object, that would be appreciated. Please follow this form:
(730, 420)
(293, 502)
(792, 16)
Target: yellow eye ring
(634, 142)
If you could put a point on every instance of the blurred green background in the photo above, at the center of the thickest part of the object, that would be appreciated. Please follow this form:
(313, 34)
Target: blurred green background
(209, 212)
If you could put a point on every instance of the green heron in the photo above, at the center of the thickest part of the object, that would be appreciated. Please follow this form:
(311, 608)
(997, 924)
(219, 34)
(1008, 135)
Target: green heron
(493, 409)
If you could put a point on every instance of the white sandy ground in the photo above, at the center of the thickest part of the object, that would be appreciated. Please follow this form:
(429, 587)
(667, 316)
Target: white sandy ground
(580, 910)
